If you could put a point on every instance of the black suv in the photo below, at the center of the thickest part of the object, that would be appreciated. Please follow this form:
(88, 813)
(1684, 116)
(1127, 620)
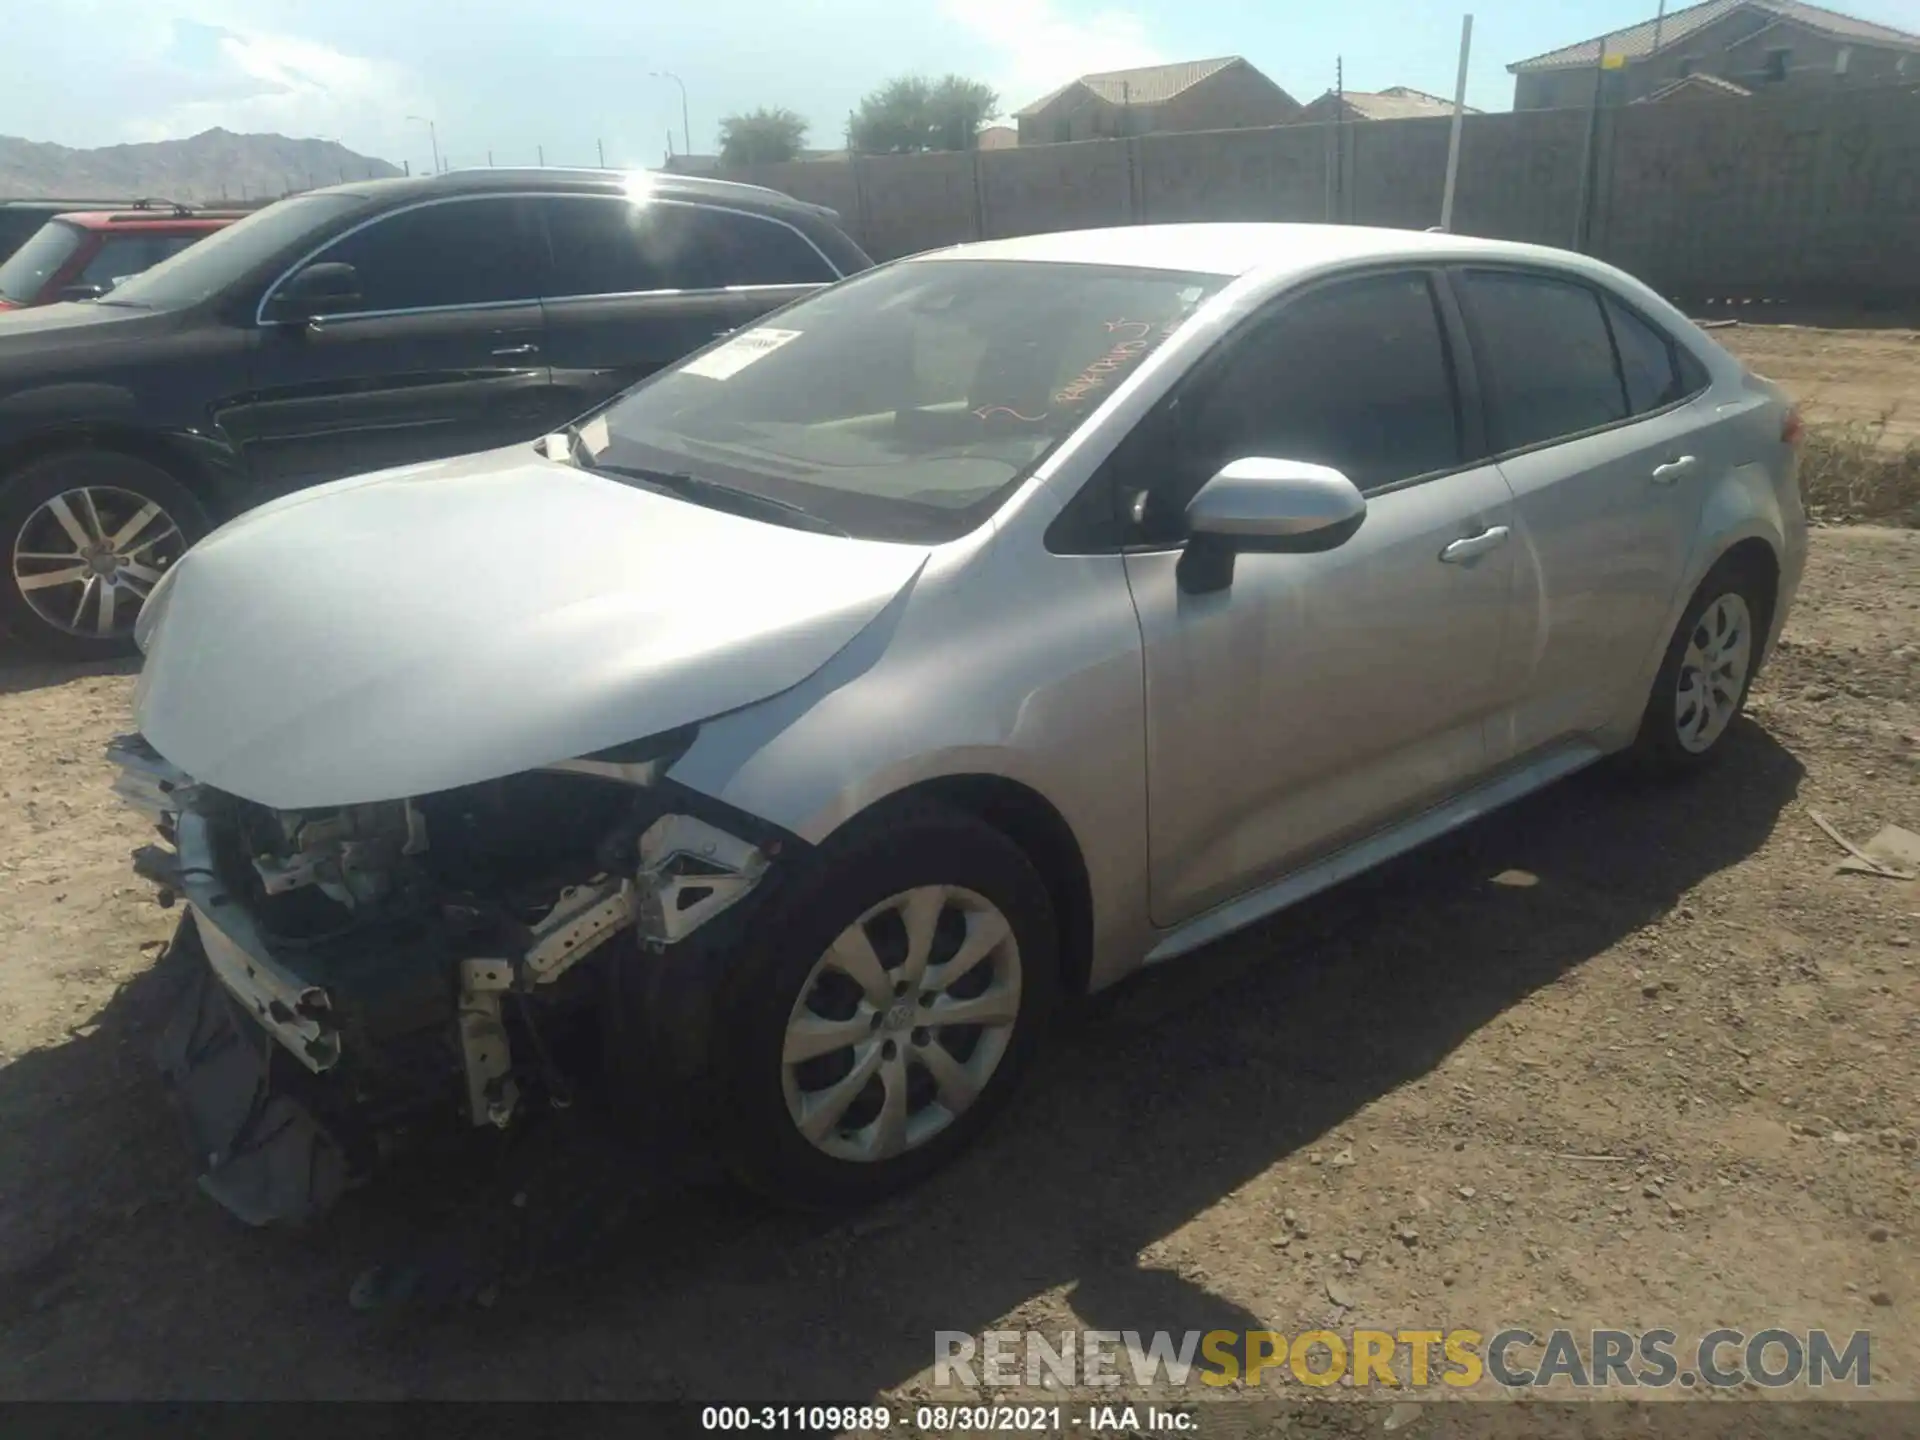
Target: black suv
(351, 329)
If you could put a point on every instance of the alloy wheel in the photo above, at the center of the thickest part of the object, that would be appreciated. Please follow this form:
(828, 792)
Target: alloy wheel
(901, 1023)
(86, 560)
(1713, 672)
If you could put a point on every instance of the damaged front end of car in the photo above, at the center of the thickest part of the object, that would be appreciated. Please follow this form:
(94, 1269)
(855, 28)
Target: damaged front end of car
(356, 976)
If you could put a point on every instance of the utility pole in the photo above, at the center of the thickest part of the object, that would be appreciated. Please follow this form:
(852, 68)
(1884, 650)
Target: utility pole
(1459, 118)
(1339, 139)
(541, 151)
(686, 128)
(489, 159)
(600, 145)
(433, 138)
(1582, 199)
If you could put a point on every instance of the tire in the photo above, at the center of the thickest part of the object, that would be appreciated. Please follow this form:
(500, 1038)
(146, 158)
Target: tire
(783, 969)
(51, 511)
(1725, 624)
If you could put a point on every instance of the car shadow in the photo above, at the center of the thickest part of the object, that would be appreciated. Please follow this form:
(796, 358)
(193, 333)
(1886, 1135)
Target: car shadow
(21, 672)
(1155, 1101)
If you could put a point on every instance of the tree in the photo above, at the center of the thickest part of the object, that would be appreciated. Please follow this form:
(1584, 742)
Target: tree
(913, 113)
(761, 137)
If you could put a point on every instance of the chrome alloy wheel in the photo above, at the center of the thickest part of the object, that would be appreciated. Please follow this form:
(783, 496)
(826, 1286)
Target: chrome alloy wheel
(86, 559)
(1713, 672)
(901, 1024)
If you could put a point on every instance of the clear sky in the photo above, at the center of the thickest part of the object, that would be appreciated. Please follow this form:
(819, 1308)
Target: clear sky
(569, 75)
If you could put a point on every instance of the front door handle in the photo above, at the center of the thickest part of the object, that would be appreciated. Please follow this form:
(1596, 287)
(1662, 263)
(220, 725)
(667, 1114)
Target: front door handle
(1492, 538)
(1671, 471)
(505, 351)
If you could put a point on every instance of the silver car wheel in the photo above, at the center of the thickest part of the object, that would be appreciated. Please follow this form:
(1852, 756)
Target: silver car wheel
(902, 1023)
(1713, 672)
(86, 559)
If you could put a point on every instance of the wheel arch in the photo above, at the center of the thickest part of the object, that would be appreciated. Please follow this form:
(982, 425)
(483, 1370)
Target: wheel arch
(161, 451)
(1035, 824)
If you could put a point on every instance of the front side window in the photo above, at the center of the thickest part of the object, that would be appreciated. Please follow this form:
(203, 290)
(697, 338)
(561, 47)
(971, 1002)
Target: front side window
(1355, 375)
(603, 245)
(907, 403)
(236, 251)
(26, 272)
(1548, 356)
(467, 252)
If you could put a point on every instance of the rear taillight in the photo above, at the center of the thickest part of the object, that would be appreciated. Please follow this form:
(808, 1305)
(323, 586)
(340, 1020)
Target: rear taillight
(1793, 429)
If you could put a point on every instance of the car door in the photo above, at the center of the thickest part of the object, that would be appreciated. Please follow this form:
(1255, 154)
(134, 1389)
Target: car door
(441, 355)
(1319, 696)
(635, 284)
(1589, 411)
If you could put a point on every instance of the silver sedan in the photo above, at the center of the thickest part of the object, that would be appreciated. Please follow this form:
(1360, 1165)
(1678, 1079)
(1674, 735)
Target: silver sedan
(812, 719)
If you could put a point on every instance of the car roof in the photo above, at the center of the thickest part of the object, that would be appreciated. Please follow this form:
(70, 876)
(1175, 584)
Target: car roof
(555, 180)
(1275, 249)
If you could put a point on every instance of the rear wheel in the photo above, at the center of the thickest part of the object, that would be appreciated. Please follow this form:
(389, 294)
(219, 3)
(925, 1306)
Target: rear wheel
(883, 1009)
(87, 535)
(1704, 677)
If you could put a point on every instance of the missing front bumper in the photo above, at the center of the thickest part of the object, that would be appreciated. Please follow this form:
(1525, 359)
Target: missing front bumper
(263, 1154)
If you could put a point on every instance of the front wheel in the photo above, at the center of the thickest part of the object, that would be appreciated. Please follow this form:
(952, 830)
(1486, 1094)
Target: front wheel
(882, 1009)
(87, 535)
(1703, 679)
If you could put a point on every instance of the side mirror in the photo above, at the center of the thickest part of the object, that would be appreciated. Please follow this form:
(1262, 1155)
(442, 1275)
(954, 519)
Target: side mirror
(1268, 506)
(328, 288)
(82, 292)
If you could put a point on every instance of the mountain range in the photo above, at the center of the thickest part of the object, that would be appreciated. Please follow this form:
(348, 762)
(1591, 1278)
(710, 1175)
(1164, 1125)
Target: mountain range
(211, 166)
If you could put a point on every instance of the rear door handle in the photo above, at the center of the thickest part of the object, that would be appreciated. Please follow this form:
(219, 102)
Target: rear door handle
(1492, 538)
(505, 351)
(1671, 471)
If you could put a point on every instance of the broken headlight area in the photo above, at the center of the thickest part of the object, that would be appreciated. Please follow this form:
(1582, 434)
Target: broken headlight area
(360, 972)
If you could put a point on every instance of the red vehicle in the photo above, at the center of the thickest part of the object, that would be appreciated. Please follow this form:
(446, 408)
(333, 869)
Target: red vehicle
(83, 255)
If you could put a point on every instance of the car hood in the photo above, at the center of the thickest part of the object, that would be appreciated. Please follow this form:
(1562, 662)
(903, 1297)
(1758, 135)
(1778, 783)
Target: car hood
(29, 334)
(449, 623)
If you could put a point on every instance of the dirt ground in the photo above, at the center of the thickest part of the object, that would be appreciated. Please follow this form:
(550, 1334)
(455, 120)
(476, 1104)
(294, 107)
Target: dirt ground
(1865, 376)
(1670, 1082)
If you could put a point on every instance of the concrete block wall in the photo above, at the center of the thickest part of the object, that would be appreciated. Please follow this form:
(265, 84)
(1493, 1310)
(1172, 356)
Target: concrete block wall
(1811, 198)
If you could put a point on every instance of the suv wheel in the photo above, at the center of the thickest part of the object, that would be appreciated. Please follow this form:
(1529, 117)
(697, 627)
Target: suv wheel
(883, 1009)
(86, 536)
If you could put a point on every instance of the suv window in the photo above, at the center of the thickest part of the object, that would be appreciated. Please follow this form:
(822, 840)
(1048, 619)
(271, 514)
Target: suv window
(1356, 375)
(122, 256)
(1549, 355)
(1649, 361)
(611, 246)
(26, 272)
(464, 252)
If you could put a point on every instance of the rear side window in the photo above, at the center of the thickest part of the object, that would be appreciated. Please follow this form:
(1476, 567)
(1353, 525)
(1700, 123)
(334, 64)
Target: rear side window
(609, 246)
(468, 252)
(124, 256)
(1650, 362)
(1549, 354)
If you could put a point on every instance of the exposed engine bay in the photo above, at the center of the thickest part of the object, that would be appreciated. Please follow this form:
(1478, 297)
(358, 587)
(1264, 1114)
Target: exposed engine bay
(369, 967)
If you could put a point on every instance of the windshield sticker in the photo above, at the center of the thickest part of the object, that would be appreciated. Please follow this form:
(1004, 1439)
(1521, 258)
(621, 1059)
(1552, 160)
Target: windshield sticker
(725, 361)
(1132, 338)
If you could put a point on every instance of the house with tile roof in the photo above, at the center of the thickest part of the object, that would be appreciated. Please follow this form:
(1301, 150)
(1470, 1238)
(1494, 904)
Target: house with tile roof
(1396, 102)
(1221, 94)
(1762, 47)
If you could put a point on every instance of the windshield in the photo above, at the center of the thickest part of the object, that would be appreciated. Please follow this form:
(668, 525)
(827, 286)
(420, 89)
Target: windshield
(907, 403)
(27, 271)
(210, 265)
